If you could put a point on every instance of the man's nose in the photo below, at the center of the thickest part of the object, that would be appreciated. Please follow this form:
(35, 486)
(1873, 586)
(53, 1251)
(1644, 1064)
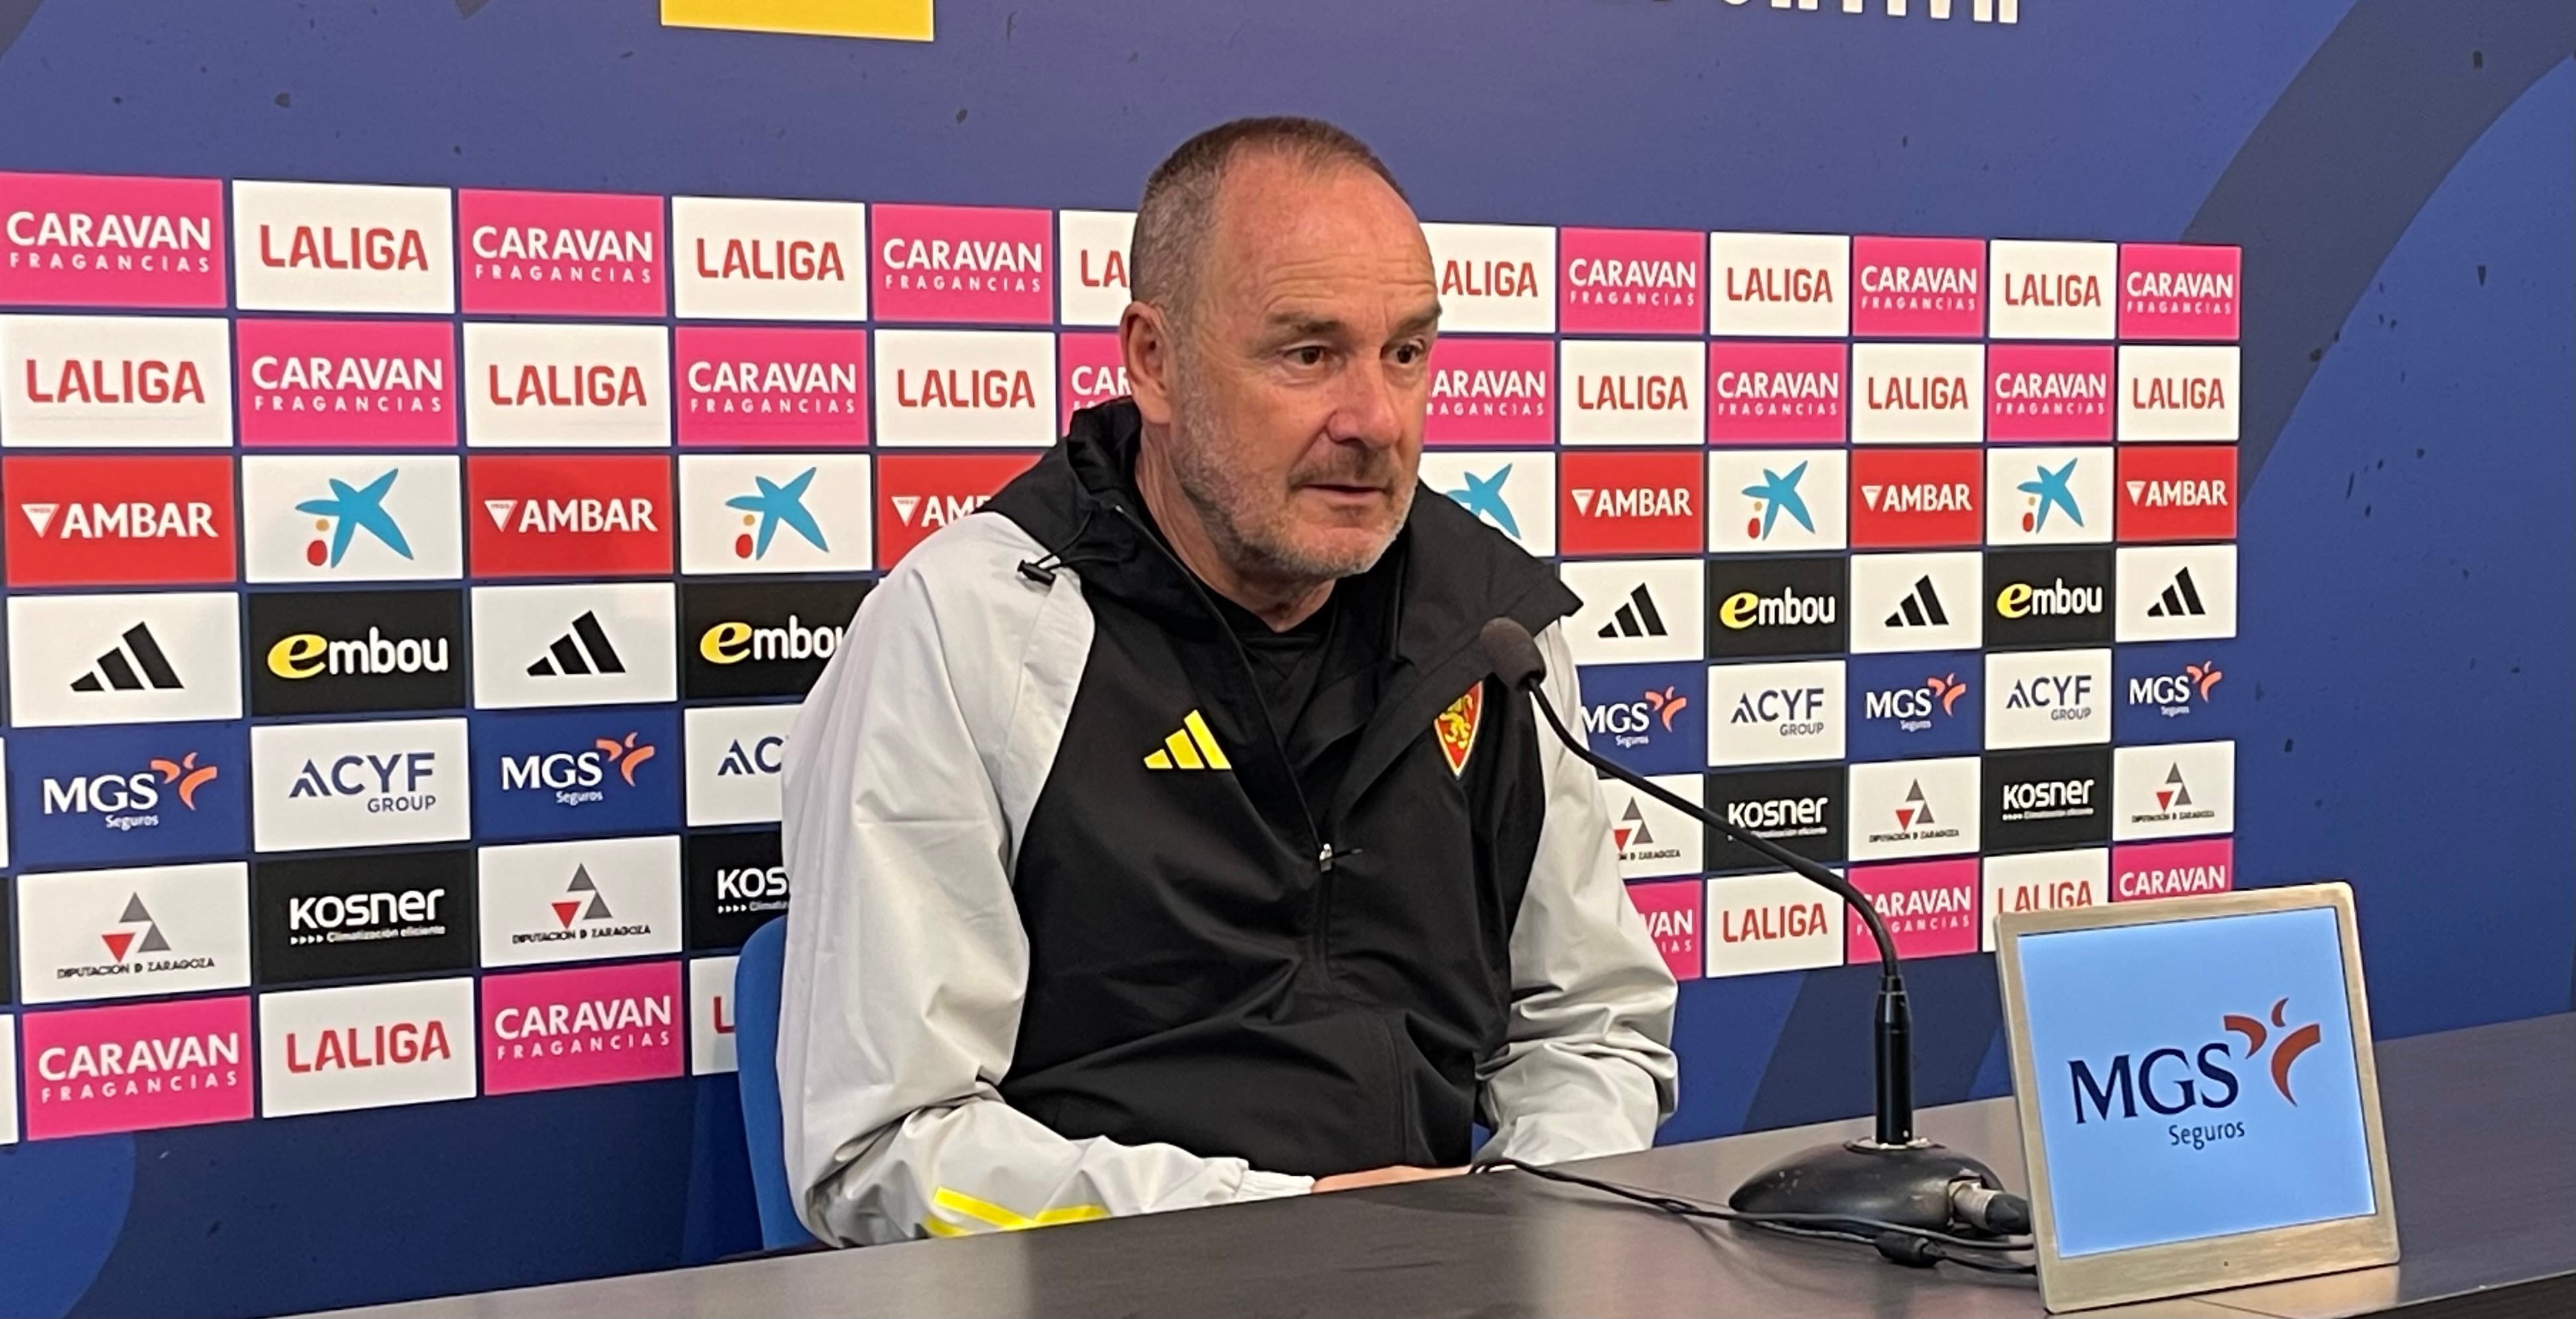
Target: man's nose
(1370, 409)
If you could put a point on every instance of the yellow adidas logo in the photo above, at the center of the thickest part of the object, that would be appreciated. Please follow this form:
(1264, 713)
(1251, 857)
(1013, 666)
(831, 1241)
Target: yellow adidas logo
(1191, 746)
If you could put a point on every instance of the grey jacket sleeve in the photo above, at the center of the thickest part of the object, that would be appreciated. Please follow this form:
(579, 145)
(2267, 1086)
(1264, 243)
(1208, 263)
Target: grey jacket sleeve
(909, 775)
(1587, 1067)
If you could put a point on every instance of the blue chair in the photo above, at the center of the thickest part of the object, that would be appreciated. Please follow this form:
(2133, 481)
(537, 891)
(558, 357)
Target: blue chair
(755, 1022)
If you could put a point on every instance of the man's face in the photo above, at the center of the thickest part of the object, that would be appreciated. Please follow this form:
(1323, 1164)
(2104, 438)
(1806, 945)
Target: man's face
(1300, 373)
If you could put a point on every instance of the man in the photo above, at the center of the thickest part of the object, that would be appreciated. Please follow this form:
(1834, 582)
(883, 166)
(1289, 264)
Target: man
(1159, 837)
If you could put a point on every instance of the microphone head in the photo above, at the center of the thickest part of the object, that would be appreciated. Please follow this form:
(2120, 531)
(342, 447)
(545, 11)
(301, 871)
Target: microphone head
(1513, 652)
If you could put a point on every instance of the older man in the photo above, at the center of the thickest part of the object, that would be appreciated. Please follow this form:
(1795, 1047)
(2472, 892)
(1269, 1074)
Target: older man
(1159, 838)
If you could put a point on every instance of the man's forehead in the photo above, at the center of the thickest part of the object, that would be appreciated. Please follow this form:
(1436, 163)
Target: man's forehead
(1279, 221)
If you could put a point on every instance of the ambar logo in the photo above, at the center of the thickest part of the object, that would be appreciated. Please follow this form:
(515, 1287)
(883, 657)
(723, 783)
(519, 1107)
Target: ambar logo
(1915, 498)
(1630, 503)
(99, 240)
(2186, 492)
(918, 494)
(593, 516)
(118, 522)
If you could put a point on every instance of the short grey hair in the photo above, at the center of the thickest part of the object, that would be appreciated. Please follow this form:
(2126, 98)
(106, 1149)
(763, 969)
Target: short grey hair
(1179, 209)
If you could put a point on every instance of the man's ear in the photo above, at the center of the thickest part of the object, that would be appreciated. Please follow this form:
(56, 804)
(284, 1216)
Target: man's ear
(1145, 348)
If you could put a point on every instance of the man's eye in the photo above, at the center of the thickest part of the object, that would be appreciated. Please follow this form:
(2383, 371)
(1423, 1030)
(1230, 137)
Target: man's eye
(1410, 354)
(1307, 355)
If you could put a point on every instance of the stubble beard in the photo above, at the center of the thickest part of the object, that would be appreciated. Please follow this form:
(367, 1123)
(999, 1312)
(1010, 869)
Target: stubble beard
(1249, 531)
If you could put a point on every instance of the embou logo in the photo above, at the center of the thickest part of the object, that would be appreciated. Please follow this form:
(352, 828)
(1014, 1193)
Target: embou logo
(2125, 1081)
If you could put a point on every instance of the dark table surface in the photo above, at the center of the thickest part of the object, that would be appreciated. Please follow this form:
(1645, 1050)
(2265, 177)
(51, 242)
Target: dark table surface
(2477, 1121)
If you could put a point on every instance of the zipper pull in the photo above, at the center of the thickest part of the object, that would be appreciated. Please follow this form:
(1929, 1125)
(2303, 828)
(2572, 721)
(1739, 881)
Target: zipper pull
(1324, 860)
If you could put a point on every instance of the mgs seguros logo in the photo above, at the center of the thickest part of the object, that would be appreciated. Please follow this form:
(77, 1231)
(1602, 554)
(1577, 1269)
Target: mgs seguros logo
(2249, 1056)
(344, 652)
(539, 774)
(1648, 717)
(561, 253)
(127, 794)
(754, 639)
(126, 521)
(103, 240)
(769, 387)
(2173, 693)
(1916, 705)
(121, 382)
(360, 384)
(401, 913)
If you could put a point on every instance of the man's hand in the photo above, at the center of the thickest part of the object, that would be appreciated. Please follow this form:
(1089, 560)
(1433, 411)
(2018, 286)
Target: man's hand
(1387, 1176)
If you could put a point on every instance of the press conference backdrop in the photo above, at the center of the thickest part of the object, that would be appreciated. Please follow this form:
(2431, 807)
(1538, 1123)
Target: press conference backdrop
(2028, 454)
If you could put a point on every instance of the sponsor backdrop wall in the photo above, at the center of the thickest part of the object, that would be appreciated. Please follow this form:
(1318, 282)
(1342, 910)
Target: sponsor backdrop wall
(437, 446)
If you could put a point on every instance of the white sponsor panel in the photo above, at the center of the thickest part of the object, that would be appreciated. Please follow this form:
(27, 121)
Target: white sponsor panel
(1511, 490)
(2051, 290)
(711, 1015)
(580, 901)
(1771, 922)
(1655, 841)
(1634, 391)
(124, 659)
(1764, 714)
(775, 512)
(734, 258)
(126, 382)
(366, 1046)
(607, 643)
(1913, 808)
(2182, 790)
(369, 784)
(1778, 501)
(2048, 496)
(2048, 698)
(734, 754)
(530, 385)
(1495, 278)
(2045, 881)
(342, 247)
(351, 518)
(965, 387)
(2176, 592)
(1637, 610)
(9, 1070)
(1093, 286)
(1787, 285)
(1918, 393)
(1909, 602)
(91, 934)
(2175, 392)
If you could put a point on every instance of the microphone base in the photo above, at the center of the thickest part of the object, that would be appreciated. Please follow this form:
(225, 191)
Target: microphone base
(1904, 1184)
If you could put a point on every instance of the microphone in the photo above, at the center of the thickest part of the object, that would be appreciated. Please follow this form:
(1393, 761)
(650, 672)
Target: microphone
(1893, 1177)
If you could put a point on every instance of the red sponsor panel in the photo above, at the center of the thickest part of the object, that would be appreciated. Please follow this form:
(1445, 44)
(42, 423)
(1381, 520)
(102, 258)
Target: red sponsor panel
(1768, 393)
(980, 265)
(1919, 288)
(2048, 392)
(97, 240)
(1929, 908)
(123, 521)
(1094, 371)
(137, 1067)
(1672, 912)
(551, 1030)
(560, 253)
(1492, 391)
(2144, 871)
(919, 493)
(557, 516)
(2177, 492)
(2179, 291)
(329, 384)
(1631, 281)
(1630, 503)
(763, 387)
(1913, 498)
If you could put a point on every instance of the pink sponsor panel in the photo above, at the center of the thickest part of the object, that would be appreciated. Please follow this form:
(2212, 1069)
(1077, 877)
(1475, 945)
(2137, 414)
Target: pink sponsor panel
(561, 253)
(763, 387)
(1772, 393)
(2179, 291)
(378, 384)
(1631, 281)
(1672, 912)
(96, 240)
(977, 265)
(1093, 369)
(1929, 907)
(551, 1030)
(1919, 288)
(2144, 871)
(2048, 392)
(137, 1067)
(1492, 391)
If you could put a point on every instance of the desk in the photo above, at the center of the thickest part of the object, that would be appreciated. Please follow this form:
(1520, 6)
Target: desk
(2477, 1138)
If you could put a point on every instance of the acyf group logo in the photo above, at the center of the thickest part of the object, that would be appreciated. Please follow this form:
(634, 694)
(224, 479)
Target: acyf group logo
(2170, 1081)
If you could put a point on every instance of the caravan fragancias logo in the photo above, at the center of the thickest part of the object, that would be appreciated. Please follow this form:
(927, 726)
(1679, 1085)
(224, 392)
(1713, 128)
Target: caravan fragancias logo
(2170, 1081)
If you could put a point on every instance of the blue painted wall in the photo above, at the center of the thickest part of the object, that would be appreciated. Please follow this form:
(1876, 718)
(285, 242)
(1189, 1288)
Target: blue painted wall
(2403, 177)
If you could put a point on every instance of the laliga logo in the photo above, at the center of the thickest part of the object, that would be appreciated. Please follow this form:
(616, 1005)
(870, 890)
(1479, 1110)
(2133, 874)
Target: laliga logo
(2125, 1081)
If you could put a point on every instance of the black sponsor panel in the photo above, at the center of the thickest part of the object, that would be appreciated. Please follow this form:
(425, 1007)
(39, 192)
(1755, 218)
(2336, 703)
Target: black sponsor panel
(342, 652)
(384, 913)
(2037, 800)
(2052, 597)
(1768, 607)
(736, 884)
(1803, 810)
(740, 639)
